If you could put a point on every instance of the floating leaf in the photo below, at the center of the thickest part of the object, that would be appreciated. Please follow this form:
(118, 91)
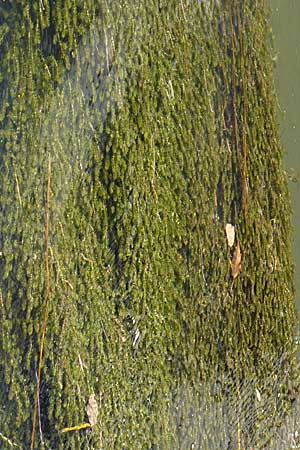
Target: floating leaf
(230, 233)
(236, 262)
(92, 410)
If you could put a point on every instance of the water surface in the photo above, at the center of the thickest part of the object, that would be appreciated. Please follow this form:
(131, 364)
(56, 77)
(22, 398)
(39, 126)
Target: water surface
(285, 20)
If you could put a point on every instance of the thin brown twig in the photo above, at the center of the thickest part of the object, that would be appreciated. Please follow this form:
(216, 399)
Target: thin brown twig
(244, 119)
(47, 298)
(233, 83)
(239, 133)
(236, 137)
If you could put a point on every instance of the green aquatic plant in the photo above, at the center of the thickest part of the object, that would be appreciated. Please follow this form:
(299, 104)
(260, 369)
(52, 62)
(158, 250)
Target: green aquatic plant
(159, 119)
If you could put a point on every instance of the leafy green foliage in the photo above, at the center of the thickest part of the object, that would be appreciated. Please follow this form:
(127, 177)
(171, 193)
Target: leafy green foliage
(134, 103)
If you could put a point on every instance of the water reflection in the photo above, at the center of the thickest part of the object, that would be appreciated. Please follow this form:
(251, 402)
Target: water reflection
(236, 412)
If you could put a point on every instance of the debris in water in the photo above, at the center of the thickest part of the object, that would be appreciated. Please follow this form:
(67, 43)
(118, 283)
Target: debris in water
(230, 234)
(258, 395)
(92, 410)
(236, 262)
(76, 427)
(92, 413)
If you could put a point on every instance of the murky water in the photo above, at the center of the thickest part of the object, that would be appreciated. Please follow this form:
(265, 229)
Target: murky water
(285, 20)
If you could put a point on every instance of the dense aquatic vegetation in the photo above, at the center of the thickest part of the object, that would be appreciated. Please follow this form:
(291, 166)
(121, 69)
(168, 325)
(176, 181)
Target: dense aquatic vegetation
(131, 134)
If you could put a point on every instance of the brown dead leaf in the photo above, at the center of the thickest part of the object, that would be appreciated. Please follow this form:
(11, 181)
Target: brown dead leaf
(230, 234)
(92, 410)
(236, 262)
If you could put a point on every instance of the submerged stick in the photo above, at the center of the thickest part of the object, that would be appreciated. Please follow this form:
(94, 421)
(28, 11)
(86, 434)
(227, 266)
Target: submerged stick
(47, 297)
(244, 120)
(239, 131)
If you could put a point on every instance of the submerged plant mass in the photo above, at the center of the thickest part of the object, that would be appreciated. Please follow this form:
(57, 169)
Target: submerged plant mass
(133, 136)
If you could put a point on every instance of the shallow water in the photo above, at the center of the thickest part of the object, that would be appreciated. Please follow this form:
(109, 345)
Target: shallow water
(285, 22)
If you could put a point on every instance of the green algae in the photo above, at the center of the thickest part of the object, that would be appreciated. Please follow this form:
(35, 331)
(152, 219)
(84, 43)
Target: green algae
(146, 111)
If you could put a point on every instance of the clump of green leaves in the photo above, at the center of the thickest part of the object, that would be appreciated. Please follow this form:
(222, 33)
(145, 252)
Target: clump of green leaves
(160, 122)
